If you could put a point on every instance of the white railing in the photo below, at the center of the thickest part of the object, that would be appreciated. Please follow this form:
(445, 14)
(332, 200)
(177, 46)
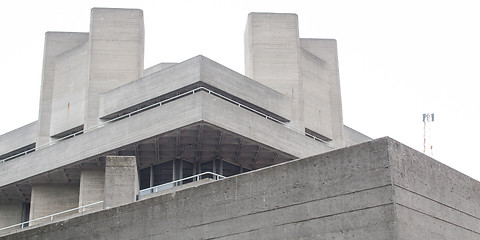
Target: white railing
(51, 217)
(164, 102)
(172, 184)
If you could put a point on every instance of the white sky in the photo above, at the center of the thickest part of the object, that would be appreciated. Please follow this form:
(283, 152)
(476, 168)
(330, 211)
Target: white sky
(398, 59)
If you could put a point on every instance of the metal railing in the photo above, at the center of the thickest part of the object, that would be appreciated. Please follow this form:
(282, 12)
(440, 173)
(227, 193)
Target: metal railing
(51, 217)
(164, 102)
(172, 184)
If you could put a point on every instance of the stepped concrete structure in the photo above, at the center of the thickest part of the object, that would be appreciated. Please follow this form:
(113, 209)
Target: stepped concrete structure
(117, 150)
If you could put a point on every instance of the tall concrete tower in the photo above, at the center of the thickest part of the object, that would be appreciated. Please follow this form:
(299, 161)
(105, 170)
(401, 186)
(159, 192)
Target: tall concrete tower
(305, 70)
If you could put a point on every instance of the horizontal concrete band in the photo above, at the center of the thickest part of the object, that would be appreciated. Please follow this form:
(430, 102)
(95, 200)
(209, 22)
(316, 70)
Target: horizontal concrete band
(191, 109)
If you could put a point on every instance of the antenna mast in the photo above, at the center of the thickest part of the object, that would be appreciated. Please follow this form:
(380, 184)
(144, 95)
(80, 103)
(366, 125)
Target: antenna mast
(428, 119)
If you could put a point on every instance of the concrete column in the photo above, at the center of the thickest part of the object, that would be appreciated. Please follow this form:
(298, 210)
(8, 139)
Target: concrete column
(52, 198)
(92, 184)
(10, 213)
(56, 43)
(116, 54)
(121, 181)
(272, 57)
(326, 50)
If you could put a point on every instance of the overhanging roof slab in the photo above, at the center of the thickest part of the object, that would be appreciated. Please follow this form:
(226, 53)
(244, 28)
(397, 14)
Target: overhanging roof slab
(195, 108)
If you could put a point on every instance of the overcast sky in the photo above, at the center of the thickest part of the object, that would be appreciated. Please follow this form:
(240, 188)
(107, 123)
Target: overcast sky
(398, 59)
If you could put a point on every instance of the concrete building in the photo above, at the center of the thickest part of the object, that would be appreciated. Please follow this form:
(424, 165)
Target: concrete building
(108, 129)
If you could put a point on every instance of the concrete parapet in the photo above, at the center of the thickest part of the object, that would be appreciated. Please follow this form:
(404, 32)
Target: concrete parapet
(121, 181)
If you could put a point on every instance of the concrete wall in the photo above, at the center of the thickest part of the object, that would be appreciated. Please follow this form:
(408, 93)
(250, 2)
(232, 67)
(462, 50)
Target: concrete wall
(92, 184)
(316, 93)
(121, 181)
(272, 57)
(326, 49)
(376, 190)
(68, 99)
(18, 138)
(116, 54)
(432, 201)
(56, 43)
(10, 213)
(52, 198)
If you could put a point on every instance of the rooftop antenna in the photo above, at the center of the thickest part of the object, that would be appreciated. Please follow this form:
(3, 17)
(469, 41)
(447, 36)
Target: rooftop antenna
(428, 118)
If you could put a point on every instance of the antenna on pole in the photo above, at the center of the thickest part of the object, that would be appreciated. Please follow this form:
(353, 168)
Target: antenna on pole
(428, 119)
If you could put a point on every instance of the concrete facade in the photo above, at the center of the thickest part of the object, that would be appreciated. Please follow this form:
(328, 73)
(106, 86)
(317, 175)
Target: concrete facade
(108, 129)
(368, 191)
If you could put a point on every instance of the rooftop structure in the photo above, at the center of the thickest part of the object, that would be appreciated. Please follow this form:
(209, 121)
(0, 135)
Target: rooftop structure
(110, 131)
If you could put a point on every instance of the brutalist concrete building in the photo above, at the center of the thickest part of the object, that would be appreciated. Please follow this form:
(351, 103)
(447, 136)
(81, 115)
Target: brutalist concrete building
(194, 150)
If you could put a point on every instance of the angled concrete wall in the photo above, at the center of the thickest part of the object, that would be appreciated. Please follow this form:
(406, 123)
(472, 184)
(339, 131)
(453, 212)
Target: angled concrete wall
(116, 54)
(56, 43)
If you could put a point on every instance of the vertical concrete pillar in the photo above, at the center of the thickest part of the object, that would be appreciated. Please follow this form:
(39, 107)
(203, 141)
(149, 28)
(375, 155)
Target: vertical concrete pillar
(121, 181)
(116, 54)
(272, 57)
(326, 50)
(52, 198)
(92, 185)
(11, 213)
(56, 43)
